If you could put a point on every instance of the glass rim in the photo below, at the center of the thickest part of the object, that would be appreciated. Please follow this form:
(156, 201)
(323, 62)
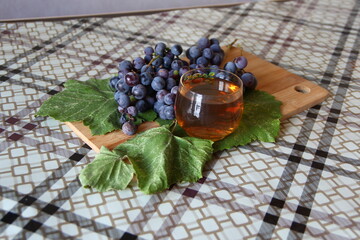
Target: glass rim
(181, 84)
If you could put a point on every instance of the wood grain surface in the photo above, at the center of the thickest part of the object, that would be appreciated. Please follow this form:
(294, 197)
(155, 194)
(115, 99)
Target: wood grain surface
(296, 94)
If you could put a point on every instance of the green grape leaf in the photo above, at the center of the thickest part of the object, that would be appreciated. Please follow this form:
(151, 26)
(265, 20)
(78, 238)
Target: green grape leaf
(260, 121)
(91, 101)
(107, 171)
(161, 159)
(147, 116)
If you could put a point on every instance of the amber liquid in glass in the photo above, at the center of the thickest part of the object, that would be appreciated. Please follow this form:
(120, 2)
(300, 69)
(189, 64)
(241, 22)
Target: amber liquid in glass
(209, 108)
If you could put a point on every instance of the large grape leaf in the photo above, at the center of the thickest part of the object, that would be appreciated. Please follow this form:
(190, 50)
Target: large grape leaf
(107, 171)
(260, 121)
(91, 101)
(161, 159)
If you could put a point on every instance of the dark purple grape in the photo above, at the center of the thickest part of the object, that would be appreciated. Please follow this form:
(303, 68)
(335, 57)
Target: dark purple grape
(113, 81)
(122, 119)
(139, 91)
(147, 58)
(132, 79)
(170, 55)
(169, 99)
(169, 112)
(193, 66)
(240, 62)
(120, 109)
(149, 51)
(217, 59)
(214, 41)
(170, 83)
(147, 68)
(123, 100)
(138, 63)
(150, 100)
(174, 74)
(146, 78)
(129, 128)
(142, 105)
(176, 50)
(132, 110)
(249, 80)
(230, 66)
(161, 94)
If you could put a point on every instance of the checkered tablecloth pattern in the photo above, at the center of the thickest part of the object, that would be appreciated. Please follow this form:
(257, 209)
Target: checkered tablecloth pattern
(306, 185)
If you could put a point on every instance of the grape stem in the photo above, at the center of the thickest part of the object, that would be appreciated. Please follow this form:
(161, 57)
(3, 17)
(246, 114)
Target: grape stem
(153, 59)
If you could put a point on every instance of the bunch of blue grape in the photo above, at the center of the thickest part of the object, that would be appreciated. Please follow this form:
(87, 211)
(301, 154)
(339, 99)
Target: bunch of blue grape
(205, 53)
(149, 82)
(237, 66)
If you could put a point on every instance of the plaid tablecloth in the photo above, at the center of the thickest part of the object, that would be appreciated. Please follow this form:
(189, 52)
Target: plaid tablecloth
(306, 185)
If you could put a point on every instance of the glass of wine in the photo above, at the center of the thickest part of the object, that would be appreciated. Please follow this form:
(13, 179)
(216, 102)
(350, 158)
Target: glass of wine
(209, 103)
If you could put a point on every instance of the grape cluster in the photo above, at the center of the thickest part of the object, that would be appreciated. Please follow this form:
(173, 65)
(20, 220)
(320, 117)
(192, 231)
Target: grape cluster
(206, 52)
(151, 81)
(237, 66)
(148, 82)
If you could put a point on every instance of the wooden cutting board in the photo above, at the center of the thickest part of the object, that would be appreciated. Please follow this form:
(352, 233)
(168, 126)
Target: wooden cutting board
(297, 94)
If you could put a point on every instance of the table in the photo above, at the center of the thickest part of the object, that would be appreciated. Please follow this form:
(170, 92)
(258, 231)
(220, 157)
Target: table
(305, 185)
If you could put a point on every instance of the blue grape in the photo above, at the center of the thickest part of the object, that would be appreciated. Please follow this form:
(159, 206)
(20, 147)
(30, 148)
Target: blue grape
(193, 66)
(146, 78)
(216, 48)
(170, 83)
(214, 41)
(116, 95)
(160, 49)
(150, 100)
(203, 42)
(222, 75)
(157, 106)
(183, 70)
(240, 62)
(249, 80)
(176, 50)
(164, 73)
(132, 79)
(149, 51)
(174, 90)
(147, 58)
(147, 68)
(177, 64)
(138, 62)
(113, 81)
(194, 52)
(139, 91)
(129, 128)
(169, 112)
(122, 86)
(214, 69)
(142, 105)
(217, 59)
(167, 62)
(161, 94)
(132, 110)
(169, 99)
(230, 66)
(123, 100)
(208, 53)
(161, 112)
(125, 65)
(202, 61)
(157, 62)
(158, 83)
(122, 119)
